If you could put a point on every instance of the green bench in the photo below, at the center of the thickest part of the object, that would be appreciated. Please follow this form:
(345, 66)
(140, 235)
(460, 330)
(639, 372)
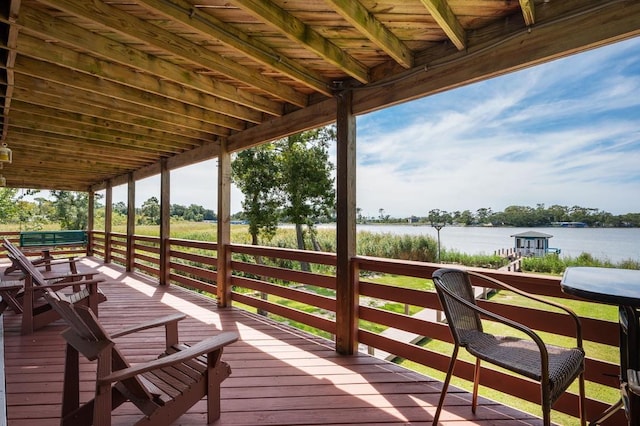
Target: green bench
(39, 239)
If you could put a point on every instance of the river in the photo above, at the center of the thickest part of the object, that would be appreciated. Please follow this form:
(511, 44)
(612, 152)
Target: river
(614, 244)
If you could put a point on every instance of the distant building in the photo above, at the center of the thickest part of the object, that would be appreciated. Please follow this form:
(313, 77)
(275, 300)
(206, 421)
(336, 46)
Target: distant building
(532, 243)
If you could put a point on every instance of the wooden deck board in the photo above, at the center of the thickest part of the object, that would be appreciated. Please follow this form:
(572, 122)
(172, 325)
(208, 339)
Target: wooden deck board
(280, 376)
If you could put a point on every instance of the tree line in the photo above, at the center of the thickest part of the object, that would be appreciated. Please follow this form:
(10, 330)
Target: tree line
(71, 210)
(518, 216)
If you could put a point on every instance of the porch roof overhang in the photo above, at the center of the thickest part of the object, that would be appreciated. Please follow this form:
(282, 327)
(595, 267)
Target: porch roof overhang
(92, 91)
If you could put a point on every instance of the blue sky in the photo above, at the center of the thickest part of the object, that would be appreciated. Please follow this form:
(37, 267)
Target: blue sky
(566, 132)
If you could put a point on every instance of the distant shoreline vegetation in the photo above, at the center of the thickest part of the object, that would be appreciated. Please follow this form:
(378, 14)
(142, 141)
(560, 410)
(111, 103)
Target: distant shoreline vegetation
(514, 216)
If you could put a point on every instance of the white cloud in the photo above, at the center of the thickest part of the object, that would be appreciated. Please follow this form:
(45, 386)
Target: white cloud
(562, 133)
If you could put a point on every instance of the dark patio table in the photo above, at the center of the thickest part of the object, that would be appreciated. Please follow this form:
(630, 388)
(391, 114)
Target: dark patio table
(620, 287)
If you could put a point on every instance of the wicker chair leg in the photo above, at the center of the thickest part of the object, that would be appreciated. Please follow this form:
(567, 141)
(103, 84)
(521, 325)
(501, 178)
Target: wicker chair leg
(583, 403)
(546, 406)
(476, 382)
(445, 385)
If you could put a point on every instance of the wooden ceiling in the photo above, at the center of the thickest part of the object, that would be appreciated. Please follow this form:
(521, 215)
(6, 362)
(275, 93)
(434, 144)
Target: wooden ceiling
(92, 90)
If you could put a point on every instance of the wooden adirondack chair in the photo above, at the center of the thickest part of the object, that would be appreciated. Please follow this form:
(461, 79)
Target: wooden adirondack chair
(163, 388)
(36, 313)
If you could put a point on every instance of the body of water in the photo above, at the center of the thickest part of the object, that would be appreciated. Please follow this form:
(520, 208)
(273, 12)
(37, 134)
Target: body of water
(614, 244)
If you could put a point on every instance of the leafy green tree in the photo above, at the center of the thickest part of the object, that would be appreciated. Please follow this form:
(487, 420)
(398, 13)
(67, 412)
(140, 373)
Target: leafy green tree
(71, 209)
(120, 207)
(194, 213)
(256, 172)
(290, 178)
(8, 205)
(466, 217)
(150, 212)
(210, 215)
(307, 183)
(483, 214)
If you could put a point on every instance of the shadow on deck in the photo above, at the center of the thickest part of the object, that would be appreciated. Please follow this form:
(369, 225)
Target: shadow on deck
(280, 376)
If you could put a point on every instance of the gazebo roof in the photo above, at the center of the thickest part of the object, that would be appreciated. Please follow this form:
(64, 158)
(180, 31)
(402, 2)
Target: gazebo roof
(532, 234)
(93, 91)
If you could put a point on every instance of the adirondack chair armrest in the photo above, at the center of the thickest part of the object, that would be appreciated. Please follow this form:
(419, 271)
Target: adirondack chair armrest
(40, 263)
(166, 320)
(74, 278)
(211, 344)
(71, 277)
(59, 285)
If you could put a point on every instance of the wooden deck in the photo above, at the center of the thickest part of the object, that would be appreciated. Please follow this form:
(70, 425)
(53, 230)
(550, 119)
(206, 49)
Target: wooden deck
(280, 376)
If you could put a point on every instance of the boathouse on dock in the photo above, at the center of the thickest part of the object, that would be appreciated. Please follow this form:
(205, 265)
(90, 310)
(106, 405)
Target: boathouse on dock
(533, 243)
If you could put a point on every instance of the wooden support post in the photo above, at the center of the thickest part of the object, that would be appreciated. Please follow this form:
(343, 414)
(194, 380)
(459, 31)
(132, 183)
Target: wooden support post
(131, 222)
(346, 275)
(165, 231)
(223, 281)
(108, 214)
(91, 214)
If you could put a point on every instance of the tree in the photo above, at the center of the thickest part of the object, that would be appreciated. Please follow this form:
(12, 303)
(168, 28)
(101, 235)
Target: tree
(256, 172)
(291, 179)
(307, 183)
(8, 205)
(194, 213)
(150, 212)
(71, 209)
(120, 207)
(483, 214)
(438, 219)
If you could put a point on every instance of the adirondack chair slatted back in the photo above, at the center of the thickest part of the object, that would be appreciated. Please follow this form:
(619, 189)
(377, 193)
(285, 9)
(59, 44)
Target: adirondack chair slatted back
(26, 265)
(79, 318)
(84, 291)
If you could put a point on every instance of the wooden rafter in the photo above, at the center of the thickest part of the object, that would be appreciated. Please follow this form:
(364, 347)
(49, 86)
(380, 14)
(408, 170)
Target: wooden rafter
(354, 12)
(137, 87)
(298, 31)
(153, 35)
(55, 29)
(443, 15)
(186, 13)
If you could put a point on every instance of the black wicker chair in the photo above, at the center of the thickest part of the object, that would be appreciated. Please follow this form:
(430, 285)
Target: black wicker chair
(554, 367)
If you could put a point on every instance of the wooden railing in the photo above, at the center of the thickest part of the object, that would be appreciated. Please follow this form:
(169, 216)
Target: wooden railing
(270, 281)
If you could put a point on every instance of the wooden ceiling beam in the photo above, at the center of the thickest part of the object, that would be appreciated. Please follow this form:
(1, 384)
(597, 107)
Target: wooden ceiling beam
(32, 139)
(144, 100)
(99, 116)
(55, 53)
(91, 90)
(441, 12)
(126, 24)
(358, 15)
(46, 27)
(184, 12)
(299, 32)
(23, 116)
(49, 163)
(84, 138)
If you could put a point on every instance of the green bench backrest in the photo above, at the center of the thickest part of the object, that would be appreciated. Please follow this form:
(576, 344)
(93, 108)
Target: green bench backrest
(52, 238)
